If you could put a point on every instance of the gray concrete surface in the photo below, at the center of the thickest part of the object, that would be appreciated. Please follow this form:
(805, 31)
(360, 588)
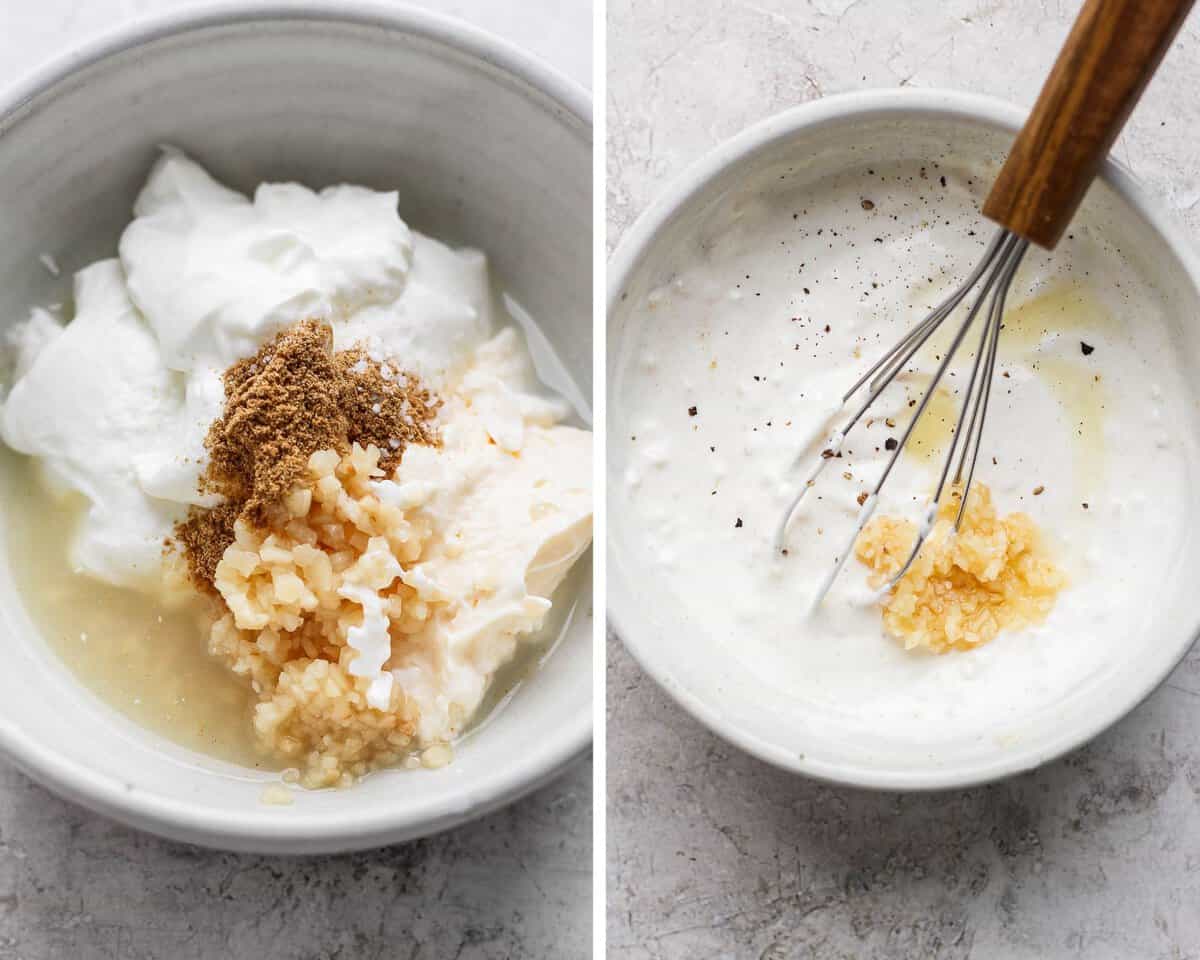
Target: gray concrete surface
(711, 853)
(74, 886)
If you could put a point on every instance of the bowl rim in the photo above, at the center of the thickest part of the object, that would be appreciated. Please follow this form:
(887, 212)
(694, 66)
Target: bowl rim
(890, 103)
(262, 828)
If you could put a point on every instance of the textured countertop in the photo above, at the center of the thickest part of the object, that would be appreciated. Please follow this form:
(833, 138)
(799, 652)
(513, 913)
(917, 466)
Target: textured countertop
(711, 853)
(74, 886)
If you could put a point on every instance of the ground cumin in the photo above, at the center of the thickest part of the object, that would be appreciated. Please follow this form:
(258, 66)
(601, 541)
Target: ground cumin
(294, 397)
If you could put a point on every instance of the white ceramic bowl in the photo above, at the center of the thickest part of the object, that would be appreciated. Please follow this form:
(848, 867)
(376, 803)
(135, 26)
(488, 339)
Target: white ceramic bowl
(813, 140)
(486, 147)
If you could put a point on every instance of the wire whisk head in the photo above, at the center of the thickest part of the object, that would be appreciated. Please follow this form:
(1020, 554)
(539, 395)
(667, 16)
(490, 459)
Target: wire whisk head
(993, 274)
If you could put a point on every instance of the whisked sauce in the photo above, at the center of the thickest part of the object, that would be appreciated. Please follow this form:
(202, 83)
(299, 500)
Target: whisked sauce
(789, 295)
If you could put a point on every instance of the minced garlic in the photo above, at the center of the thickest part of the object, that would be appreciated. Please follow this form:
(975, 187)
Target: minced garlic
(994, 574)
(294, 600)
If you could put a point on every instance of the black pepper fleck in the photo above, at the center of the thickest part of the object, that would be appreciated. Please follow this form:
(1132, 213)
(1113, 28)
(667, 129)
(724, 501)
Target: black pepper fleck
(1087, 348)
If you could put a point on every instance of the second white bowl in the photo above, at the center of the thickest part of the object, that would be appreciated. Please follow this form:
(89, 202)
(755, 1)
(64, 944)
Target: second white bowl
(709, 675)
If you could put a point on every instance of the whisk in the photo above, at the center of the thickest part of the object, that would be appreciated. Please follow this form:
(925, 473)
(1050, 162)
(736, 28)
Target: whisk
(1108, 58)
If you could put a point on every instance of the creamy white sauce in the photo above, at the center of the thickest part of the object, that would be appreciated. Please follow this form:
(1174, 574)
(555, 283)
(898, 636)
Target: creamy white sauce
(787, 300)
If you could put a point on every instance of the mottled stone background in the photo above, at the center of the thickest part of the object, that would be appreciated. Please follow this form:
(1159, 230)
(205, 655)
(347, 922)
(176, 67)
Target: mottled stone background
(711, 853)
(74, 886)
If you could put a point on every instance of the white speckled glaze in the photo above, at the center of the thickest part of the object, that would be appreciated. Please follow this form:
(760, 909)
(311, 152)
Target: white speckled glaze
(837, 741)
(388, 97)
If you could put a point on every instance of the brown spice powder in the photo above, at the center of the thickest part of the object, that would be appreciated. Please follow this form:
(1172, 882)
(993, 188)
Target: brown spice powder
(291, 399)
(204, 535)
(384, 406)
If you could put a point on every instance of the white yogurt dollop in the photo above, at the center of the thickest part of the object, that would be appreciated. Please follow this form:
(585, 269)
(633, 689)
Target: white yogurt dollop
(95, 399)
(215, 274)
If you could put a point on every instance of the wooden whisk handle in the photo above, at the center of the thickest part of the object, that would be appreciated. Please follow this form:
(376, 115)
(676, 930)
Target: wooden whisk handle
(1112, 51)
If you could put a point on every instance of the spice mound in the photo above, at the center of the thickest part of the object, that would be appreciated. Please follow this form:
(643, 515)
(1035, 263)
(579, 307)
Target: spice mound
(295, 397)
(994, 574)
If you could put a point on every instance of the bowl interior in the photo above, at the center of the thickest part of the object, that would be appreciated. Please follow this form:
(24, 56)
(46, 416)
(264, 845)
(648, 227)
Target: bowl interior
(780, 158)
(479, 154)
